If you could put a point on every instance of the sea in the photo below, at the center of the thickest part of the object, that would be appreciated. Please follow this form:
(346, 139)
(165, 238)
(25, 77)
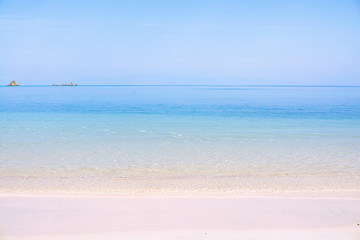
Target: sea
(179, 139)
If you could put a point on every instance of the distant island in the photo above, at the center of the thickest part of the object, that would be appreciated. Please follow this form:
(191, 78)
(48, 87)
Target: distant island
(13, 83)
(71, 84)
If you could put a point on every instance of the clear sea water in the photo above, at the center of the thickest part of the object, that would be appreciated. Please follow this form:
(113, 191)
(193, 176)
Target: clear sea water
(163, 132)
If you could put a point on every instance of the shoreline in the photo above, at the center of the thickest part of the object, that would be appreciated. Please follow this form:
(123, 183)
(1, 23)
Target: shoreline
(279, 186)
(186, 209)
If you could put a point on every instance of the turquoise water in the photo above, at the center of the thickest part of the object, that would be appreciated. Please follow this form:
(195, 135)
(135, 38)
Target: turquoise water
(179, 131)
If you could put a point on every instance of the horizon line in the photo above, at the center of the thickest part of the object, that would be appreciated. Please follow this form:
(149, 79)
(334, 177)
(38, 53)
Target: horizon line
(190, 85)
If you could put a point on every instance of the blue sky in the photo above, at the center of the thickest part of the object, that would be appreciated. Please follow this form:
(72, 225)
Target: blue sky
(180, 42)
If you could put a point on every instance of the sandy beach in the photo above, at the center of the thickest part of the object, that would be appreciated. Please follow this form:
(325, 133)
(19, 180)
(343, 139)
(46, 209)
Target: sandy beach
(32, 217)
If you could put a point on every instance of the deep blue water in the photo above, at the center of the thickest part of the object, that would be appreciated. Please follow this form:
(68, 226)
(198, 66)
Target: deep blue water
(222, 101)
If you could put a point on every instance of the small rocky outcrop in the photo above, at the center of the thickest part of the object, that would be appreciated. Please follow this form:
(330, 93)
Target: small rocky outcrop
(13, 83)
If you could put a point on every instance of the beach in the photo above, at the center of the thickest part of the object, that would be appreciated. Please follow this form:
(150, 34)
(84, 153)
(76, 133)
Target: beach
(179, 120)
(54, 217)
(180, 162)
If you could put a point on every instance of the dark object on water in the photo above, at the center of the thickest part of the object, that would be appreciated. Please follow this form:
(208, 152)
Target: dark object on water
(13, 83)
(71, 84)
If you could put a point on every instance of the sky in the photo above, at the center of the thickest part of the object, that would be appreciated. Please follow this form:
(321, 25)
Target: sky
(121, 42)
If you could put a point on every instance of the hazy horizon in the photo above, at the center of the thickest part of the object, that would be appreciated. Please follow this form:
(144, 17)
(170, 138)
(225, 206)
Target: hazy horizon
(180, 43)
(182, 85)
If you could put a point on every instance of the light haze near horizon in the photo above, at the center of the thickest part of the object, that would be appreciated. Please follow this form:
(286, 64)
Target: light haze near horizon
(180, 42)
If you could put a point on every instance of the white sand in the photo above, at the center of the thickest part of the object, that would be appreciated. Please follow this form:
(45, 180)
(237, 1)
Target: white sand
(178, 218)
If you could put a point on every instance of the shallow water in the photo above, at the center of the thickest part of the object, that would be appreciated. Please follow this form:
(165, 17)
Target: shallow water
(204, 132)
